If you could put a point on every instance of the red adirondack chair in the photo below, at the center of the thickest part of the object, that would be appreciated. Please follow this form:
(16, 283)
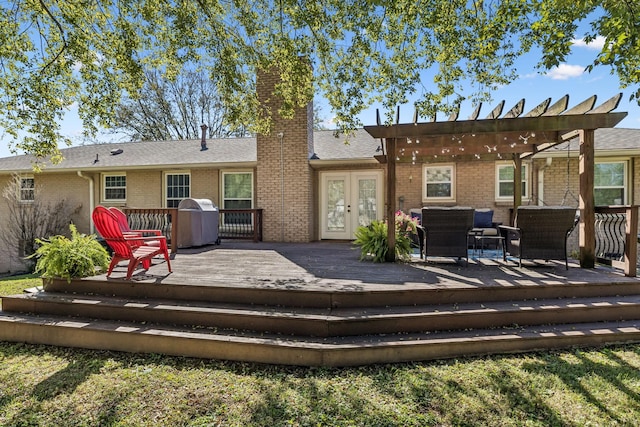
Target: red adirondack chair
(128, 232)
(128, 247)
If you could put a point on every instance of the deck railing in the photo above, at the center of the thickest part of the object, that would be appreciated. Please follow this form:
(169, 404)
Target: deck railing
(617, 237)
(163, 219)
(241, 224)
(234, 223)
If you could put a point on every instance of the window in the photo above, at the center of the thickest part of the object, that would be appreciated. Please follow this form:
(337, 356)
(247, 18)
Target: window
(610, 183)
(115, 187)
(237, 193)
(27, 189)
(439, 183)
(504, 181)
(178, 187)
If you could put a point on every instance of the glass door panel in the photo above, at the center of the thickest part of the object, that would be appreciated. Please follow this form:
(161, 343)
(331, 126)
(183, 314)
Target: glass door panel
(336, 196)
(367, 201)
(348, 200)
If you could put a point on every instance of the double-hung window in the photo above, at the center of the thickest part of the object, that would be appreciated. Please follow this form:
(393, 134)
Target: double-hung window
(27, 191)
(504, 181)
(439, 183)
(177, 188)
(610, 183)
(114, 187)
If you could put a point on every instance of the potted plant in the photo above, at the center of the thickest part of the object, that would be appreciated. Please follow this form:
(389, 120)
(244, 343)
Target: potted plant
(373, 241)
(61, 257)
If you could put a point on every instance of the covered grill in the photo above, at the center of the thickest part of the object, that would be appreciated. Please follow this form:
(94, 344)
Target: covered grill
(198, 221)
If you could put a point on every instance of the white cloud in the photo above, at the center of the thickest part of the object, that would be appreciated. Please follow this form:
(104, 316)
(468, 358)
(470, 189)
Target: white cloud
(565, 72)
(596, 44)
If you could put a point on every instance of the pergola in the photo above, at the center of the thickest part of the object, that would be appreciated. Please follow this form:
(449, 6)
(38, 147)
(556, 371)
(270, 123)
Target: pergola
(514, 136)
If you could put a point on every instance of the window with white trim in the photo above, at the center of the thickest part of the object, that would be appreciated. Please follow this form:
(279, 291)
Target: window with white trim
(504, 181)
(177, 188)
(610, 183)
(27, 189)
(114, 187)
(237, 193)
(439, 183)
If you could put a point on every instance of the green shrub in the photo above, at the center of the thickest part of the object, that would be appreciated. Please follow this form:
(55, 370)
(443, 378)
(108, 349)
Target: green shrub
(373, 242)
(80, 256)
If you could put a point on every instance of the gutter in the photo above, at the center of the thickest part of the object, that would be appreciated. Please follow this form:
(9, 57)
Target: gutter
(91, 200)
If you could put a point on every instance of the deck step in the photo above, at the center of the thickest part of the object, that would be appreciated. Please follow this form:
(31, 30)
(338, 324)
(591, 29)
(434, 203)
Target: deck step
(335, 322)
(330, 295)
(305, 351)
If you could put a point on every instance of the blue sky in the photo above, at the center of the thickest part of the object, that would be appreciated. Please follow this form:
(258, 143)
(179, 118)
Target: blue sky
(569, 78)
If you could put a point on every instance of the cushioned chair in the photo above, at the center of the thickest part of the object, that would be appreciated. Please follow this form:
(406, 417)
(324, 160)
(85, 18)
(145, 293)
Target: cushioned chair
(539, 232)
(484, 226)
(446, 230)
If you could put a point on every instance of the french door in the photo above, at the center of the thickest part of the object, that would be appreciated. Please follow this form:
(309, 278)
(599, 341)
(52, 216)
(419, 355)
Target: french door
(348, 200)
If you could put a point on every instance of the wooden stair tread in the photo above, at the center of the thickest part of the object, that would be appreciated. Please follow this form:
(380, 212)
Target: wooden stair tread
(334, 314)
(306, 351)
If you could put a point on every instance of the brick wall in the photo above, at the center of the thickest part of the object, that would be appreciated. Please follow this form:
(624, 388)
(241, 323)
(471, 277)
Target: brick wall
(205, 185)
(475, 187)
(144, 189)
(69, 187)
(283, 176)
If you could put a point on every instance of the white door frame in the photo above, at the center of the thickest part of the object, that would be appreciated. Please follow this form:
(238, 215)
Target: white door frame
(350, 204)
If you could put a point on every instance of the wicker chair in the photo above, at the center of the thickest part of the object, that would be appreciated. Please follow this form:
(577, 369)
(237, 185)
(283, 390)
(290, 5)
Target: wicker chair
(539, 232)
(446, 230)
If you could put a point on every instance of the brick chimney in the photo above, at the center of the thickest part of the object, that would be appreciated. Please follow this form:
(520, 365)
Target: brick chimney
(284, 181)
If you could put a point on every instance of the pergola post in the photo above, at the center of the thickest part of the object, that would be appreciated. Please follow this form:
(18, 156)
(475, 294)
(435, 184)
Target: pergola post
(391, 198)
(517, 182)
(587, 203)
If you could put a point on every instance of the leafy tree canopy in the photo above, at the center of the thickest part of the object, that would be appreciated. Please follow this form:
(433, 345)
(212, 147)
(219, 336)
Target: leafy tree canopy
(173, 110)
(92, 52)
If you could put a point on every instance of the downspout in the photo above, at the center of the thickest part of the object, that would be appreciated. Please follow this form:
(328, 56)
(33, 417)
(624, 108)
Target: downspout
(91, 200)
(541, 180)
(282, 218)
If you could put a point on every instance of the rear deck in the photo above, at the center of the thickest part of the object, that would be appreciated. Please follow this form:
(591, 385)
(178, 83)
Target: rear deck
(317, 304)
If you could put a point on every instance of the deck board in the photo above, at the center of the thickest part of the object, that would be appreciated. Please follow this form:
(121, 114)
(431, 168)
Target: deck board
(336, 266)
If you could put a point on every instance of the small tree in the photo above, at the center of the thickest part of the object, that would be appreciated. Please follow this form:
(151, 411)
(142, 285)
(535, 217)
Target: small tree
(29, 220)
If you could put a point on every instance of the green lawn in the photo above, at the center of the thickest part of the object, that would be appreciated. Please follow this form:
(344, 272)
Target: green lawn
(51, 386)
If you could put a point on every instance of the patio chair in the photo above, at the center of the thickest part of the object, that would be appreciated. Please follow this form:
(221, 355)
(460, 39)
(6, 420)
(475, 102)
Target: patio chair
(124, 224)
(539, 232)
(485, 230)
(446, 230)
(133, 248)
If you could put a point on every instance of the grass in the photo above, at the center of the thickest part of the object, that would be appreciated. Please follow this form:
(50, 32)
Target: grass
(43, 386)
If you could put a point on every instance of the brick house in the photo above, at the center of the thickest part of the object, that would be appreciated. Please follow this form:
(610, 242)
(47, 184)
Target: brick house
(313, 185)
(310, 184)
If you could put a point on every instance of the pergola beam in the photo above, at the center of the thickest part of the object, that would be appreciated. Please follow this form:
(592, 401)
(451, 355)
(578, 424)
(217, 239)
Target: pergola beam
(561, 123)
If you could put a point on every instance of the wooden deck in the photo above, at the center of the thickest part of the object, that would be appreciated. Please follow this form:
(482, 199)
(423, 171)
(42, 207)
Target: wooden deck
(325, 265)
(317, 304)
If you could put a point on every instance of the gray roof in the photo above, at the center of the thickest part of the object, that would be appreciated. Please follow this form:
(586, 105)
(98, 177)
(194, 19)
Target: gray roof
(612, 139)
(359, 146)
(149, 154)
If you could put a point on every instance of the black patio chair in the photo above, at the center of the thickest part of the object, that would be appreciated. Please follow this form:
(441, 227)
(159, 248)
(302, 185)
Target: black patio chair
(446, 230)
(539, 232)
